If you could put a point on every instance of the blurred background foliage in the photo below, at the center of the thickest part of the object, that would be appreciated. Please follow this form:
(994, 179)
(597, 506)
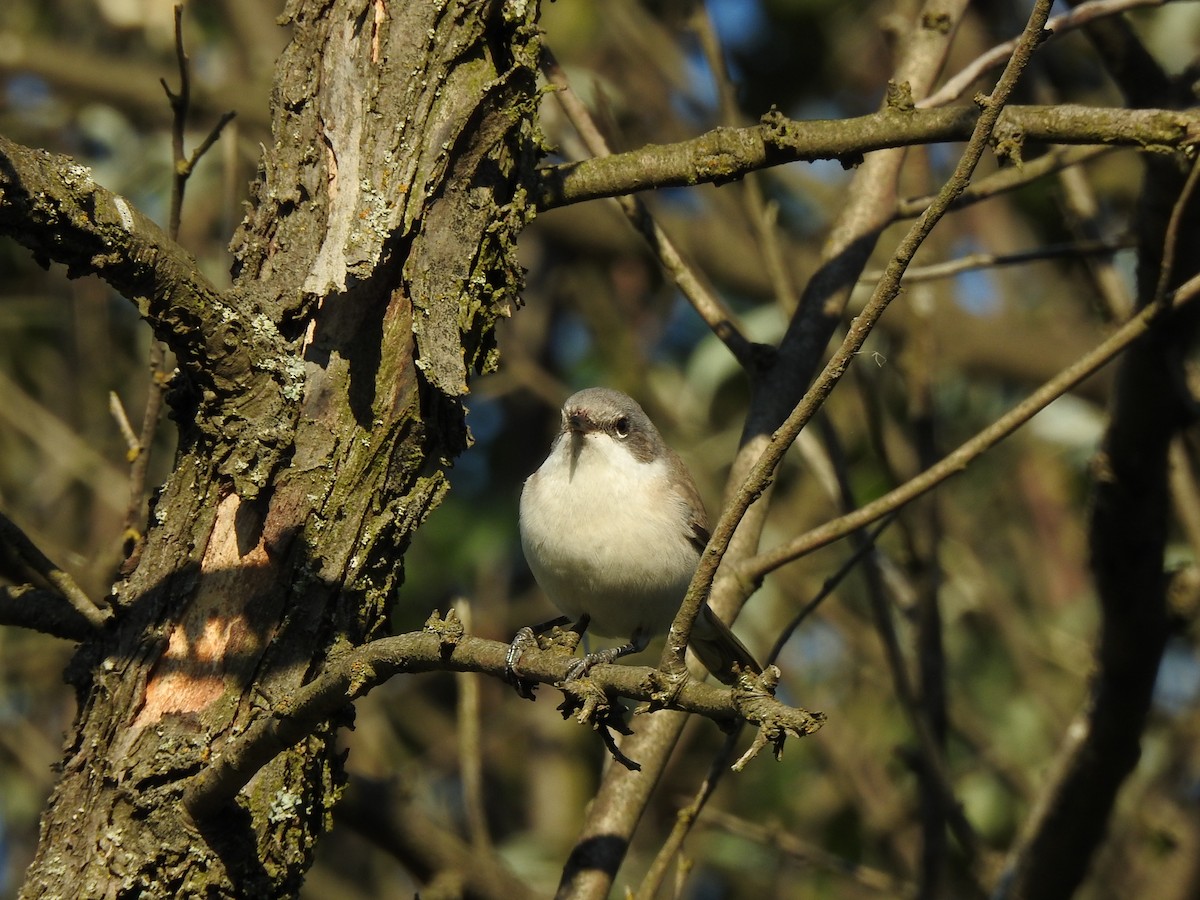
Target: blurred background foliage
(1003, 543)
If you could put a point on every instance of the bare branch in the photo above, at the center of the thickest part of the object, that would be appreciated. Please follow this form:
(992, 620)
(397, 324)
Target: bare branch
(24, 554)
(181, 104)
(41, 610)
(933, 271)
(441, 647)
(1081, 15)
(710, 307)
(726, 154)
(758, 567)
(1057, 159)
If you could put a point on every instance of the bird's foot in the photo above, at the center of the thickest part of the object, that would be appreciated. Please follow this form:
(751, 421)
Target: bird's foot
(522, 641)
(530, 637)
(580, 667)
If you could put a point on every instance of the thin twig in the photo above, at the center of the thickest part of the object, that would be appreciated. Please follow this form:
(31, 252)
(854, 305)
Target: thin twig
(829, 585)
(139, 462)
(179, 109)
(709, 306)
(211, 138)
(758, 567)
(1009, 178)
(25, 553)
(1171, 236)
(181, 170)
(1101, 247)
(117, 409)
(960, 83)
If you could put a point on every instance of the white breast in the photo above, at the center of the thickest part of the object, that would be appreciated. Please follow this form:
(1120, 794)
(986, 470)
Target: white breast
(606, 535)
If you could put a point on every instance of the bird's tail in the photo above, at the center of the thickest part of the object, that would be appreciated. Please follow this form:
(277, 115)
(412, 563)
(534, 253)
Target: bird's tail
(719, 648)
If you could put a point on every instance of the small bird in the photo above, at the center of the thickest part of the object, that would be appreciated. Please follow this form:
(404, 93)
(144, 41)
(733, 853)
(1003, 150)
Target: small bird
(613, 527)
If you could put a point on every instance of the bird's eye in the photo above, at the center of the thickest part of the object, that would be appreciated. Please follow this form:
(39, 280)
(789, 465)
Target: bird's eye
(621, 426)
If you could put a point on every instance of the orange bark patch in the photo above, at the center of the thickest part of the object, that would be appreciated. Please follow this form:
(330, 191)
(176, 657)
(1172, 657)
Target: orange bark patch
(214, 644)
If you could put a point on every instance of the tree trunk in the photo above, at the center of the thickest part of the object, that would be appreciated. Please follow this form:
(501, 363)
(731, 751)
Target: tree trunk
(319, 402)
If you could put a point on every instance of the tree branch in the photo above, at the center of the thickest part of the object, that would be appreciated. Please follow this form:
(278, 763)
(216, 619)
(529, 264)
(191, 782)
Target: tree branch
(49, 612)
(757, 568)
(442, 647)
(1010, 178)
(51, 205)
(27, 560)
(726, 154)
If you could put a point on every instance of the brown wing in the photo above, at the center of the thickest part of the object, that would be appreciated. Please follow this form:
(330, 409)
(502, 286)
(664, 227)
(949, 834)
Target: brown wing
(719, 648)
(697, 517)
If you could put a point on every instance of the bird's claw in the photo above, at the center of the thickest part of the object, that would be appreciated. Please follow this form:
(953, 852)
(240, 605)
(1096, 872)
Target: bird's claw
(522, 641)
(580, 667)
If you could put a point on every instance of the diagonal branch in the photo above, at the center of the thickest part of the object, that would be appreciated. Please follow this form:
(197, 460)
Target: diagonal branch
(755, 569)
(51, 205)
(16, 548)
(236, 360)
(886, 290)
(26, 606)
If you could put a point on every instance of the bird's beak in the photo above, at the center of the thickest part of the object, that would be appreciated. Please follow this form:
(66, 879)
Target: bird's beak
(574, 427)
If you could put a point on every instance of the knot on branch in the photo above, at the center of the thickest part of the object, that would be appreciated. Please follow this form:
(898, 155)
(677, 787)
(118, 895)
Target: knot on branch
(776, 129)
(899, 97)
(449, 630)
(754, 699)
(667, 687)
(1008, 141)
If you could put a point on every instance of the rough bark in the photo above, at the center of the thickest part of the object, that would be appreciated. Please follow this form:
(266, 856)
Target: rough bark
(316, 418)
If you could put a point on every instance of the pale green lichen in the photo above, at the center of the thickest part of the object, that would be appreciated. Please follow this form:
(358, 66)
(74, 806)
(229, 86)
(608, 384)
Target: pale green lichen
(284, 806)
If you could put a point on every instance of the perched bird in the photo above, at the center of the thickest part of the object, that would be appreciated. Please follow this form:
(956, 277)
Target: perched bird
(613, 527)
